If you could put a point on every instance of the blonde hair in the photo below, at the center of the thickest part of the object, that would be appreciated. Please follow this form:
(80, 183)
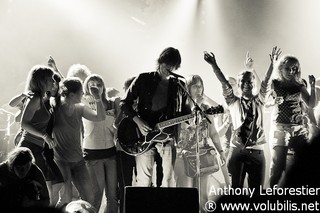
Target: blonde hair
(281, 63)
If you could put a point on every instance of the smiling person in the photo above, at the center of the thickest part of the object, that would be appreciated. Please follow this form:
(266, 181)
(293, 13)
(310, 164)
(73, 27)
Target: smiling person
(289, 130)
(246, 150)
(159, 98)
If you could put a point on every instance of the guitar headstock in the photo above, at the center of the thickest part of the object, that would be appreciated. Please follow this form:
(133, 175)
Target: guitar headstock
(215, 110)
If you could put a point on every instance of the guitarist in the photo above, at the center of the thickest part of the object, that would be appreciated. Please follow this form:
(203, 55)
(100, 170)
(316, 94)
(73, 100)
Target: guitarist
(159, 97)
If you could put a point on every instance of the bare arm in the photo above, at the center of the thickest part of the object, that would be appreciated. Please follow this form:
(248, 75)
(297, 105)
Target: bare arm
(210, 58)
(90, 114)
(248, 64)
(310, 100)
(17, 101)
(275, 53)
(33, 105)
(216, 141)
(52, 64)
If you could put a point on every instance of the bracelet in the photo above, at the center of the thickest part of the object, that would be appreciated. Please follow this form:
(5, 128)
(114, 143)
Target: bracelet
(97, 100)
(44, 136)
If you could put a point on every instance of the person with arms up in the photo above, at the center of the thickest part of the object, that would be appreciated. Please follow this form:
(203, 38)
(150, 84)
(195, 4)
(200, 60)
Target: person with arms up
(289, 132)
(246, 152)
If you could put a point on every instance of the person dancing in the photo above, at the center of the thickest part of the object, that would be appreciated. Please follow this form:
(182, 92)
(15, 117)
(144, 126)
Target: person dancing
(68, 137)
(289, 130)
(246, 152)
(35, 119)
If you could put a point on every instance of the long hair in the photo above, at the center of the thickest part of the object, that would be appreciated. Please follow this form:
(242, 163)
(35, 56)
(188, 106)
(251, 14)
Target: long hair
(37, 79)
(19, 156)
(99, 79)
(280, 65)
(171, 57)
(193, 79)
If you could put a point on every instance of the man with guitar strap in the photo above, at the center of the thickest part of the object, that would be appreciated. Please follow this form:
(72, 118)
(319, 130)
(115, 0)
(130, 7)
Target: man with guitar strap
(159, 98)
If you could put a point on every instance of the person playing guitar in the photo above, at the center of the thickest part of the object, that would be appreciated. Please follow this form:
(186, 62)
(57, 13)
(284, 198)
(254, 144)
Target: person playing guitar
(159, 97)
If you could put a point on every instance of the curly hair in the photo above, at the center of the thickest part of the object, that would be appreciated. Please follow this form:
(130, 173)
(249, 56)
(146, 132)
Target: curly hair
(284, 61)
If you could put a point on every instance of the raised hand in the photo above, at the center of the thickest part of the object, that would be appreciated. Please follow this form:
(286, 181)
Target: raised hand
(94, 91)
(52, 63)
(248, 63)
(274, 56)
(312, 80)
(210, 58)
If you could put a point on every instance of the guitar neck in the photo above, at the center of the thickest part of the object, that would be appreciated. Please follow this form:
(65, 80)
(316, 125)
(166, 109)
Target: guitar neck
(174, 121)
(212, 111)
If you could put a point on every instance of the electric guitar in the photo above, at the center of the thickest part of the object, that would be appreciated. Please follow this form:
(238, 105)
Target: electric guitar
(134, 143)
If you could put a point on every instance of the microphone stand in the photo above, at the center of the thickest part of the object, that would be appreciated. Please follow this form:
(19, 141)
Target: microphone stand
(198, 112)
(6, 137)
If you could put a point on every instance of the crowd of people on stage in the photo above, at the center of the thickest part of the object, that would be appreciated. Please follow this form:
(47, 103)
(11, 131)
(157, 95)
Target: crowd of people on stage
(80, 144)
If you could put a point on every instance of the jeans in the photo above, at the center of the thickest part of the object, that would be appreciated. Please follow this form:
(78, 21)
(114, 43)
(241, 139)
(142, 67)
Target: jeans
(145, 163)
(246, 161)
(104, 176)
(76, 173)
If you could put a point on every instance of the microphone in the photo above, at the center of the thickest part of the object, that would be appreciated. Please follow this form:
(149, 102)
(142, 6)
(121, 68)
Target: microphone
(175, 75)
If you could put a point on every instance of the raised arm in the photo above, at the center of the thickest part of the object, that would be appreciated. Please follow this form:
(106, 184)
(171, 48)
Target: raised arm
(52, 64)
(210, 58)
(275, 53)
(249, 65)
(310, 100)
(265, 87)
(90, 114)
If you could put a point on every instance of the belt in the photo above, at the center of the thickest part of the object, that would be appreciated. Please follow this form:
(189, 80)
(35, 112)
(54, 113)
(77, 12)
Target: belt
(256, 151)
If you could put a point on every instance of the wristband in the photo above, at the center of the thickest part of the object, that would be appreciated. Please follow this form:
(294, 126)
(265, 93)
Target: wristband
(97, 100)
(44, 136)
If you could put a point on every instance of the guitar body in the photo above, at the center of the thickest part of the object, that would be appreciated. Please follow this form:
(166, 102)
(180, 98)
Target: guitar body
(133, 142)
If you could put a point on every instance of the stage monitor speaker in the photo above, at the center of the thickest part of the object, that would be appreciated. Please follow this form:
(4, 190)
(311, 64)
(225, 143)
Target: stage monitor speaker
(164, 200)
